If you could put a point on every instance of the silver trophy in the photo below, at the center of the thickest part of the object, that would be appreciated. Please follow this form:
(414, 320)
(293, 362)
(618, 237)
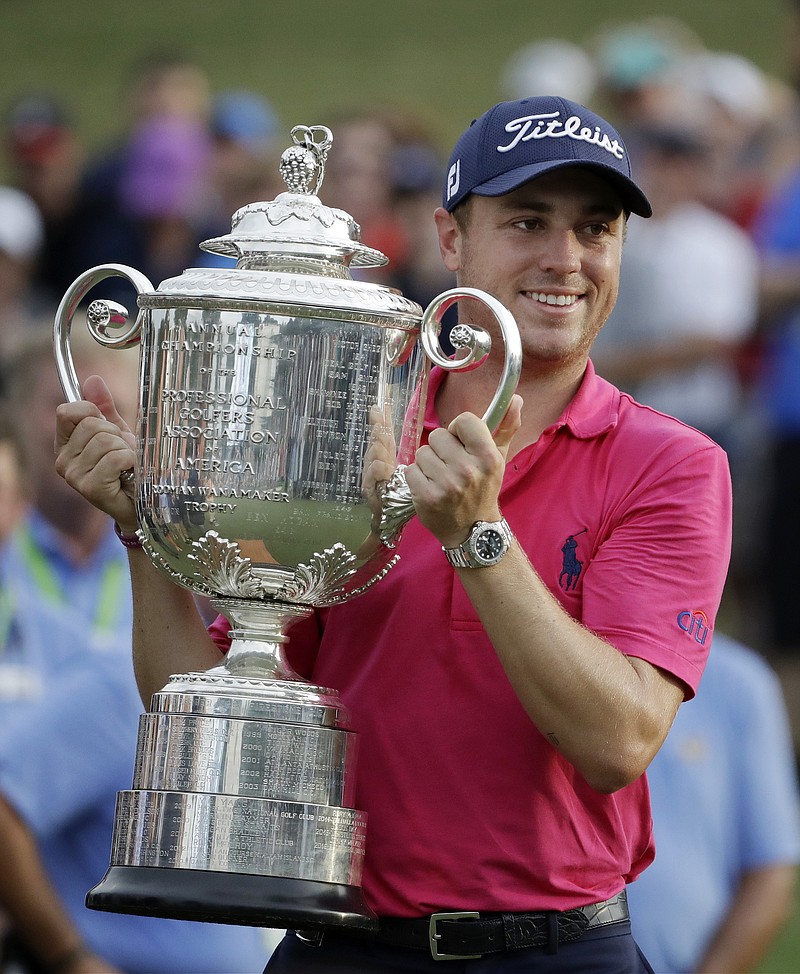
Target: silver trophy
(266, 388)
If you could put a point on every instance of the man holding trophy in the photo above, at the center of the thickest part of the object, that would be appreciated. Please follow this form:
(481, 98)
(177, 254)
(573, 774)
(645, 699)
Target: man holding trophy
(513, 675)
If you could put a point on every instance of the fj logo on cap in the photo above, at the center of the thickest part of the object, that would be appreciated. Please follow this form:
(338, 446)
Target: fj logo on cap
(549, 126)
(453, 179)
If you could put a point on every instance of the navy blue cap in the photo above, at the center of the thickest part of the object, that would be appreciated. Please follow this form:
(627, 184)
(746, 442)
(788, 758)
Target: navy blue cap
(516, 141)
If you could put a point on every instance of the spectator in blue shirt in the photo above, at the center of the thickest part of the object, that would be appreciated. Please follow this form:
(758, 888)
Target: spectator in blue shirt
(726, 816)
(69, 712)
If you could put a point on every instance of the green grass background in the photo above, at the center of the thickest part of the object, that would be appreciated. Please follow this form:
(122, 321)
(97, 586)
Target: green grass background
(314, 58)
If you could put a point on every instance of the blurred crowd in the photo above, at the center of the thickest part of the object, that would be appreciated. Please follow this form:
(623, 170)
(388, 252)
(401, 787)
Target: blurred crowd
(704, 325)
(708, 322)
(184, 160)
(707, 326)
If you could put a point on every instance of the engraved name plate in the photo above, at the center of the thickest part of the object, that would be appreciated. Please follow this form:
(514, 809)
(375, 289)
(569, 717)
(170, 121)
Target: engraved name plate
(241, 757)
(226, 834)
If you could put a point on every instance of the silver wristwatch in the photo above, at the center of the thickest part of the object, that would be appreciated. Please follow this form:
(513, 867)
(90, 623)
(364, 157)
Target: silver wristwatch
(487, 543)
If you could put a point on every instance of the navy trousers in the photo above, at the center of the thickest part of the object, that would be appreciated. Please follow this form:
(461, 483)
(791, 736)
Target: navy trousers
(605, 950)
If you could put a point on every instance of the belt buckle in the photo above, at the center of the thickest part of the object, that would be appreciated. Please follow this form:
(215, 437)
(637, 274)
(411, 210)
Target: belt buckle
(434, 936)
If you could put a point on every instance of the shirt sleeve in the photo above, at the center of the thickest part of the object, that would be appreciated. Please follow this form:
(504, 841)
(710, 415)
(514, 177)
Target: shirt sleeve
(655, 583)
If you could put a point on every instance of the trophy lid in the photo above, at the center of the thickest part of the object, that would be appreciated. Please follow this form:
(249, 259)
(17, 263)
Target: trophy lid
(296, 224)
(292, 253)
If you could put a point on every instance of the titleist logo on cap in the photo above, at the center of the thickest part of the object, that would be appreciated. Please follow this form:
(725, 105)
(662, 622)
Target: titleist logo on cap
(528, 127)
(517, 141)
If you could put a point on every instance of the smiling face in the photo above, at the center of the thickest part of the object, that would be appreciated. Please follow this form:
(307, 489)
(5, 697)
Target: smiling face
(550, 251)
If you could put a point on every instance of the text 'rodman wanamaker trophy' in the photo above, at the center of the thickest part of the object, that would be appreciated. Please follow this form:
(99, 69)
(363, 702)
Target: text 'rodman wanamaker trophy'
(266, 388)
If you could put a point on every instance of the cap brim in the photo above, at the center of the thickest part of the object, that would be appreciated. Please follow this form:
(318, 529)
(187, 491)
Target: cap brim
(633, 199)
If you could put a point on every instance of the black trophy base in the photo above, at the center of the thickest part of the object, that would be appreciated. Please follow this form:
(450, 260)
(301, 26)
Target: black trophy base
(236, 898)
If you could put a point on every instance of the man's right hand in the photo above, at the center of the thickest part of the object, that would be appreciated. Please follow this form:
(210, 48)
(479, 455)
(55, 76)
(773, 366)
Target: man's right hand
(94, 446)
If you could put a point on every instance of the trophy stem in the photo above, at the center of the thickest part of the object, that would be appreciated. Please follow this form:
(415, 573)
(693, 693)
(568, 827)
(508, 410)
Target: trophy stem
(256, 659)
(258, 638)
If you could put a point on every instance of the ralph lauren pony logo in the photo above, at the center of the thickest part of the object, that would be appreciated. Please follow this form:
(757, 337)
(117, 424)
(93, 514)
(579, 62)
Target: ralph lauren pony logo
(571, 567)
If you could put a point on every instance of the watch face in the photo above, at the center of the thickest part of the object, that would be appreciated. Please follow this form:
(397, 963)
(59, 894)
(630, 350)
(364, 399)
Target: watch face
(489, 544)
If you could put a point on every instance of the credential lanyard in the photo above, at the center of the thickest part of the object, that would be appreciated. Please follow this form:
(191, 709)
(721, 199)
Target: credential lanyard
(6, 617)
(111, 582)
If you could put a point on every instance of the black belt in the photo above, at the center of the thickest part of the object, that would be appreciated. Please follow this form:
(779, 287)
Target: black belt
(467, 935)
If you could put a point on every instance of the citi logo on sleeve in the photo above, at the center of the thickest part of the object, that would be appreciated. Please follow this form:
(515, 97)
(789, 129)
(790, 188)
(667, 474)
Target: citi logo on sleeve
(695, 624)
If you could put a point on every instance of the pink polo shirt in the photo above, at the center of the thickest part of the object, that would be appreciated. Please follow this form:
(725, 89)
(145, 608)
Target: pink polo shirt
(626, 515)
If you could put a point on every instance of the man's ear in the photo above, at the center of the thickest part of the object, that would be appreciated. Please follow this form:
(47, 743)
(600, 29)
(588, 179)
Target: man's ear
(450, 238)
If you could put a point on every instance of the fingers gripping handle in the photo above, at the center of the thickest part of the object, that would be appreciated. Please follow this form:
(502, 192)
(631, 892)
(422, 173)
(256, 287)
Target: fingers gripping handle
(102, 317)
(473, 345)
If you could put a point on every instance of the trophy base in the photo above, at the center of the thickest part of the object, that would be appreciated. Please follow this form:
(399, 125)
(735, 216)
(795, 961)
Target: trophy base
(235, 898)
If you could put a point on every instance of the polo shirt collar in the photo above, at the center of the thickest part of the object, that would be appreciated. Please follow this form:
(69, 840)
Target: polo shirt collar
(593, 410)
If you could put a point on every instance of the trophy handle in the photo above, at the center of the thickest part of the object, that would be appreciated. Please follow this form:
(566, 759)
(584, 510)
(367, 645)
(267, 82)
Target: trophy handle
(102, 317)
(476, 344)
(473, 345)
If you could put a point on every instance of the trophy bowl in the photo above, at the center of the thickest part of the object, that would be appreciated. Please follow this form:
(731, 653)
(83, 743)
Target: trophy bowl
(266, 389)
